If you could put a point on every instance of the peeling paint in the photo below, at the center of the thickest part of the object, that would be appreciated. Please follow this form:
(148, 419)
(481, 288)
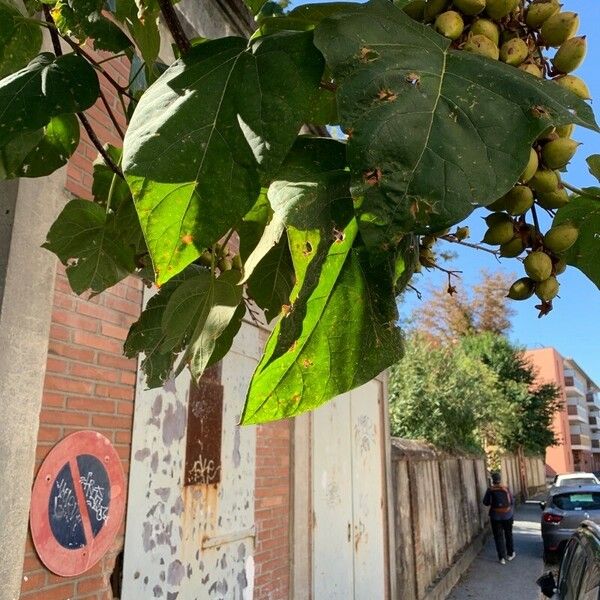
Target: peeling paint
(177, 508)
(176, 573)
(147, 540)
(237, 457)
(163, 493)
(154, 463)
(173, 428)
(172, 595)
(157, 591)
(142, 454)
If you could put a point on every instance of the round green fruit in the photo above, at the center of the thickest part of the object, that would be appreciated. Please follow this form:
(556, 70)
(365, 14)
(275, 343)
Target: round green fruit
(499, 233)
(540, 12)
(538, 266)
(521, 289)
(499, 204)
(555, 199)
(560, 266)
(570, 55)
(519, 200)
(565, 131)
(487, 28)
(497, 217)
(561, 237)
(532, 69)
(514, 52)
(470, 7)
(433, 8)
(557, 153)
(449, 24)
(559, 28)
(415, 9)
(547, 289)
(531, 168)
(498, 9)
(482, 45)
(544, 180)
(574, 84)
(513, 248)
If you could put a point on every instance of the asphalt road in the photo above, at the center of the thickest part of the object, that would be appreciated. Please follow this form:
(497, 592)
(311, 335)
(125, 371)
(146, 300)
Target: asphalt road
(487, 579)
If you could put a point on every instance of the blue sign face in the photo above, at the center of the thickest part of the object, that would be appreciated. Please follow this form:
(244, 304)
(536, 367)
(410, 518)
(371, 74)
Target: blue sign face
(65, 514)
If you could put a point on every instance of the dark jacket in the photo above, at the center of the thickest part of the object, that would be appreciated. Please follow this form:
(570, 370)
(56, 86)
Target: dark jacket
(500, 501)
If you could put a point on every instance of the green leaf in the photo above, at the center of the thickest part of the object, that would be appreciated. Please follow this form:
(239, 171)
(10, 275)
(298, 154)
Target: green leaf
(225, 340)
(41, 152)
(20, 40)
(339, 334)
(593, 162)
(207, 132)
(272, 280)
(47, 87)
(105, 179)
(434, 131)
(84, 239)
(146, 334)
(198, 312)
(85, 20)
(584, 213)
(141, 20)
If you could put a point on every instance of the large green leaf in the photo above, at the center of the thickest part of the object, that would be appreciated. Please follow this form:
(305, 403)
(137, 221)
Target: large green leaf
(203, 137)
(340, 333)
(198, 313)
(146, 335)
(39, 153)
(45, 88)
(20, 40)
(434, 131)
(85, 240)
(593, 162)
(584, 213)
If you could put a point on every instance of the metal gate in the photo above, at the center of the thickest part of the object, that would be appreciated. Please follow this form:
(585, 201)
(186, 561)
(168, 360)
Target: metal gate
(349, 539)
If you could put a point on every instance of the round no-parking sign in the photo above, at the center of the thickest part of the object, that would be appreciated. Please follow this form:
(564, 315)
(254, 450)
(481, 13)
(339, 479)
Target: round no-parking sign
(77, 503)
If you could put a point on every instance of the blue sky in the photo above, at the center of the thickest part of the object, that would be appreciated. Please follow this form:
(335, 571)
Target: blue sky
(573, 327)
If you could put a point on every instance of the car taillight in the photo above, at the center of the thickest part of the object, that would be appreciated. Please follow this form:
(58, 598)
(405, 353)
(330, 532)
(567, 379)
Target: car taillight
(550, 518)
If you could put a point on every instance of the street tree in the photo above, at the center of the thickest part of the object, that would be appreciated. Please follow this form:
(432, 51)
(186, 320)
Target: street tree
(443, 112)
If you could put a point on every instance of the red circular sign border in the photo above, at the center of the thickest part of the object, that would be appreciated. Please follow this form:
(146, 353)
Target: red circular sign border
(58, 559)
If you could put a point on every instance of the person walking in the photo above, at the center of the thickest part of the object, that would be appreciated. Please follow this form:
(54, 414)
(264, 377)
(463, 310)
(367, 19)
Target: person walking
(502, 503)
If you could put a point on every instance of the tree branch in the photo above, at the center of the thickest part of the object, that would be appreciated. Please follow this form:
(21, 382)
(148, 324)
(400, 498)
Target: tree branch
(579, 190)
(454, 240)
(98, 144)
(79, 50)
(112, 116)
(173, 24)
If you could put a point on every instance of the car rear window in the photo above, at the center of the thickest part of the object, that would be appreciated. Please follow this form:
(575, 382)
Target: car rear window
(577, 501)
(577, 481)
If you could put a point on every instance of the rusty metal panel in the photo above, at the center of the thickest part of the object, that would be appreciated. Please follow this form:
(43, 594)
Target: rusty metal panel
(190, 542)
(204, 432)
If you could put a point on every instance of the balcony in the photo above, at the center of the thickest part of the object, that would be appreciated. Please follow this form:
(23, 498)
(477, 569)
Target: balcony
(577, 412)
(593, 398)
(581, 442)
(594, 423)
(574, 385)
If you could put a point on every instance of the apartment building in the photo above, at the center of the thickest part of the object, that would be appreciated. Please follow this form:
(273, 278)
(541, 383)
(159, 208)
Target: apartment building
(577, 425)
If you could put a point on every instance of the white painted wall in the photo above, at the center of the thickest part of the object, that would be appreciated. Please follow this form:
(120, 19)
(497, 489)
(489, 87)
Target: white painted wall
(194, 542)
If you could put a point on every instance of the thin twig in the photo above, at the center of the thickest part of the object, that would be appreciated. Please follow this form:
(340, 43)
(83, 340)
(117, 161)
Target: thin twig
(79, 50)
(173, 24)
(53, 31)
(454, 240)
(82, 118)
(98, 144)
(415, 290)
(112, 116)
(580, 191)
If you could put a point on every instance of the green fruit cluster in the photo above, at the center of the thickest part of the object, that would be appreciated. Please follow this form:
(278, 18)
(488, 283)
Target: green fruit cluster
(519, 33)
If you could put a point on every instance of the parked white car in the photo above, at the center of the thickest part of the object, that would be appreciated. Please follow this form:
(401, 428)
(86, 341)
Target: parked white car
(572, 479)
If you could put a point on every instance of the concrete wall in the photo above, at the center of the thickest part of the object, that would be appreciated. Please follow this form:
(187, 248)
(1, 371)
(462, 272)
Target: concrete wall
(439, 519)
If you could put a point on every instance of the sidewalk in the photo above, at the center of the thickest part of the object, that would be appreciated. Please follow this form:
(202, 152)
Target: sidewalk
(487, 579)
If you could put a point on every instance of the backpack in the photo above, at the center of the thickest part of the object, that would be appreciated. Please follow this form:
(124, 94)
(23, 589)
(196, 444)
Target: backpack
(501, 499)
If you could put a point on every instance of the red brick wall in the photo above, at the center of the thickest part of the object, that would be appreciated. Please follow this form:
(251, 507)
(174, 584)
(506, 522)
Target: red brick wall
(272, 511)
(88, 383)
